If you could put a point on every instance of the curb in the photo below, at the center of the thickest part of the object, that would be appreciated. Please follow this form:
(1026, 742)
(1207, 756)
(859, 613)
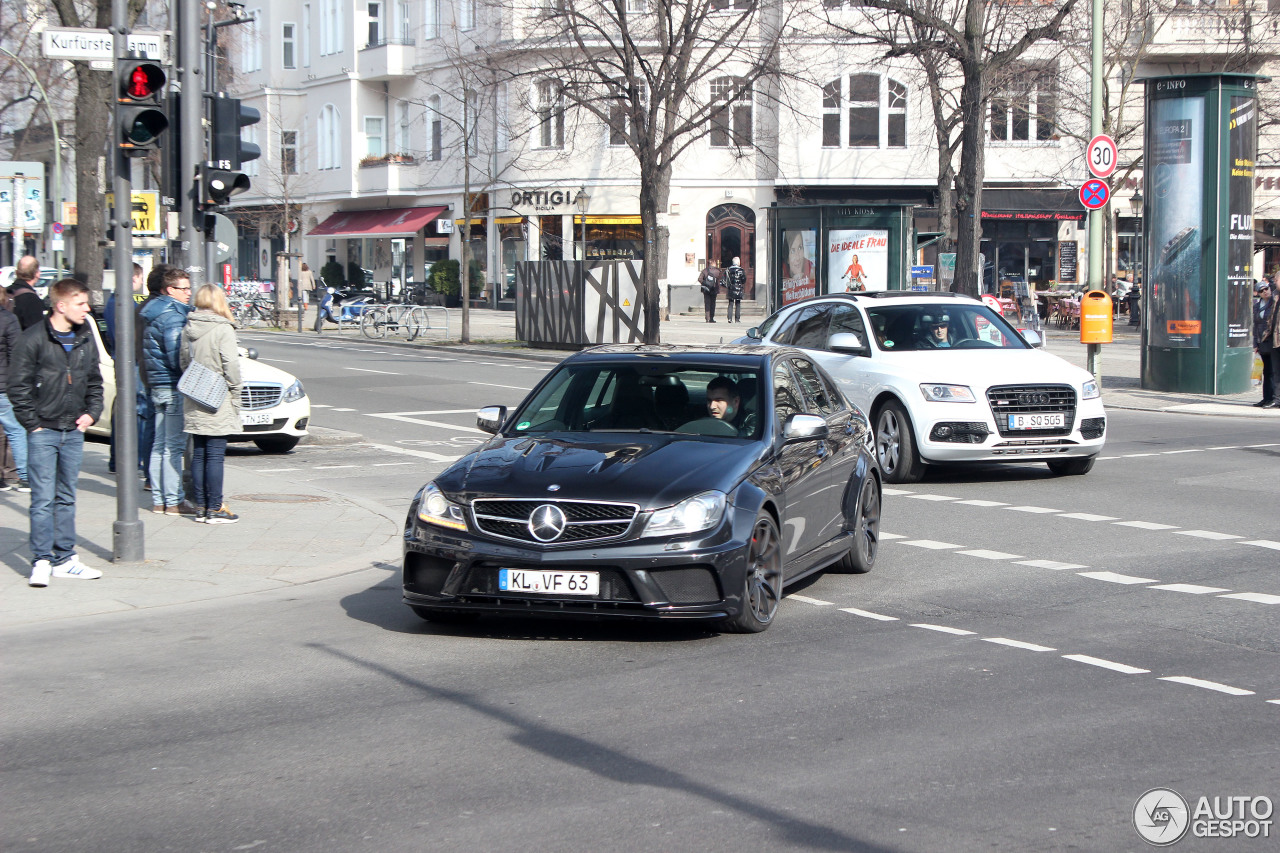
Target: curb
(327, 437)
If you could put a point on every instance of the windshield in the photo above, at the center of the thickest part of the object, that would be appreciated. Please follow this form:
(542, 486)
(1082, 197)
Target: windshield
(693, 400)
(914, 328)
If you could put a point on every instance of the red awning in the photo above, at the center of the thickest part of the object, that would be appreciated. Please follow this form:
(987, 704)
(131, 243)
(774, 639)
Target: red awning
(390, 222)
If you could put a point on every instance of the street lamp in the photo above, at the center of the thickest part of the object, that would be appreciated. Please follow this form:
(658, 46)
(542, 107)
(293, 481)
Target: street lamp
(583, 201)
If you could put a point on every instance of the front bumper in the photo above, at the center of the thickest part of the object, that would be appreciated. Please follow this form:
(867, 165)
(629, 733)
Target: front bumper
(955, 432)
(699, 577)
(283, 419)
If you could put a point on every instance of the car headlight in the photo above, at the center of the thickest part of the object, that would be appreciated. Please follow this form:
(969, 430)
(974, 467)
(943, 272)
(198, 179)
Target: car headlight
(293, 392)
(1091, 391)
(691, 515)
(435, 508)
(938, 393)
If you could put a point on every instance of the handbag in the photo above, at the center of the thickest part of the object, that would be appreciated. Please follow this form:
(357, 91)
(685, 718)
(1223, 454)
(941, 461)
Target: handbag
(202, 385)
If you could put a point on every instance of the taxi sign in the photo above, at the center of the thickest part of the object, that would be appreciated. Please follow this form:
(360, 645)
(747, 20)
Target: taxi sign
(144, 210)
(1095, 194)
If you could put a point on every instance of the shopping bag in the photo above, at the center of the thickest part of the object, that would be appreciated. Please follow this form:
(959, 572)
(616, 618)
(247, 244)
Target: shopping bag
(203, 385)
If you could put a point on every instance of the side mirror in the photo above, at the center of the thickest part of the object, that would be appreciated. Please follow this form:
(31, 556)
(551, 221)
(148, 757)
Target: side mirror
(754, 332)
(490, 418)
(252, 353)
(800, 427)
(847, 342)
(1032, 337)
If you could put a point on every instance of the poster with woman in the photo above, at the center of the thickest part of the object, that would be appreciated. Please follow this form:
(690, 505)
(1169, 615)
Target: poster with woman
(857, 260)
(799, 279)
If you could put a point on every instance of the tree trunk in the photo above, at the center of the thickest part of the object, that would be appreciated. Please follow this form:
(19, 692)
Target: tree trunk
(93, 121)
(655, 190)
(969, 183)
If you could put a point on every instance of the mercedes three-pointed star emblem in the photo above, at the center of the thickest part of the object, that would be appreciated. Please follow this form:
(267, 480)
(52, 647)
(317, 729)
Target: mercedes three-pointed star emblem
(547, 522)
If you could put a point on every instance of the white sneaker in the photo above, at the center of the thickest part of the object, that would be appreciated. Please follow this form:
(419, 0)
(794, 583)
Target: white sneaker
(40, 572)
(73, 568)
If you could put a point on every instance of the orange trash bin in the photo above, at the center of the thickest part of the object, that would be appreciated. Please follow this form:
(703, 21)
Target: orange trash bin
(1095, 318)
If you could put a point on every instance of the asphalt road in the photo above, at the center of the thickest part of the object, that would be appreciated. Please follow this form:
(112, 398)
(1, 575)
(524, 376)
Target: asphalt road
(1030, 655)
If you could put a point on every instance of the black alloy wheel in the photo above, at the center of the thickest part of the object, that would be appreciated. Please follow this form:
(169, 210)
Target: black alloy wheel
(762, 590)
(866, 532)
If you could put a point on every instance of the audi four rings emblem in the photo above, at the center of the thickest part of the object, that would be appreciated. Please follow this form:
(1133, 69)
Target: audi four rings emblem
(547, 522)
(1033, 399)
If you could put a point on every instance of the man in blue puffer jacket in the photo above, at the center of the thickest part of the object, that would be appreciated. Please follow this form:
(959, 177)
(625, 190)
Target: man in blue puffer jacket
(162, 319)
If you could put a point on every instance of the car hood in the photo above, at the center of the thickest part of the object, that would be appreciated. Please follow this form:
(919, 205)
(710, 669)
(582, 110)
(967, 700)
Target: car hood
(981, 367)
(651, 470)
(252, 370)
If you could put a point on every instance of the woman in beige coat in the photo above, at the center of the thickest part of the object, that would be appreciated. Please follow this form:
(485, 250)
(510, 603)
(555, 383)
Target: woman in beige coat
(210, 338)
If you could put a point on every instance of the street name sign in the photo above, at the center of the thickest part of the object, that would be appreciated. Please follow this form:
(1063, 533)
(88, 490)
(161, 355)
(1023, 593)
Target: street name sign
(82, 43)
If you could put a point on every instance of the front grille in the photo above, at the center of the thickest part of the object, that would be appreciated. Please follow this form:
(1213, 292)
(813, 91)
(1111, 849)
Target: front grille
(965, 432)
(688, 584)
(1008, 400)
(482, 579)
(586, 521)
(1093, 427)
(260, 395)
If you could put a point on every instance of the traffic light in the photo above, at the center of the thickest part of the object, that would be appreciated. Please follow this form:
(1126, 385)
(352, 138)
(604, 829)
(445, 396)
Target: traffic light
(140, 116)
(221, 178)
(219, 185)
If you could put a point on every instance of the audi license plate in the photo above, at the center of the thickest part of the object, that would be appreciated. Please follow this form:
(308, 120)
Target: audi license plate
(255, 418)
(549, 583)
(1049, 420)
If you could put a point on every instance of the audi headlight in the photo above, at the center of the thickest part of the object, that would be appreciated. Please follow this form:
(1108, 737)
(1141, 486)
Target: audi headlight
(938, 393)
(293, 392)
(435, 508)
(700, 512)
(1091, 391)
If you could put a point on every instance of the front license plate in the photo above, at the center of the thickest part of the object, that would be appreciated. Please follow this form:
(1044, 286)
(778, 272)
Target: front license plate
(255, 418)
(1050, 420)
(549, 583)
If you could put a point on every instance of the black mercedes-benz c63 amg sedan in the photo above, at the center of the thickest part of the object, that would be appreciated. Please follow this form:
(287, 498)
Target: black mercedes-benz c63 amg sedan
(661, 482)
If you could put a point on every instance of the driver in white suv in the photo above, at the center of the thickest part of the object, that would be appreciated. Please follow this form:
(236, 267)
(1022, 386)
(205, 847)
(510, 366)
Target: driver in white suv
(937, 331)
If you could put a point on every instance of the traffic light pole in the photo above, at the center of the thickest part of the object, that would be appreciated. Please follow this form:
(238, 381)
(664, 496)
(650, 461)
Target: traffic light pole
(128, 544)
(190, 245)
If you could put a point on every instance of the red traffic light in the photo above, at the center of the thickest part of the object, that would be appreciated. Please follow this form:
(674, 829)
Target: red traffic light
(141, 81)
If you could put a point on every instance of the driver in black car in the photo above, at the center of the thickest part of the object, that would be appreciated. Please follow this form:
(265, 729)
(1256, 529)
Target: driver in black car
(724, 403)
(936, 331)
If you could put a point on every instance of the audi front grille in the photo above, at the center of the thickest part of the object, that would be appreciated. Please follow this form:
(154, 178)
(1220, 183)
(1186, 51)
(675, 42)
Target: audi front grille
(1008, 400)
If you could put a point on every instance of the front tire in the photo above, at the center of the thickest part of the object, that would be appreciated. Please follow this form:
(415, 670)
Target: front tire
(866, 532)
(278, 444)
(762, 586)
(1072, 467)
(896, 445)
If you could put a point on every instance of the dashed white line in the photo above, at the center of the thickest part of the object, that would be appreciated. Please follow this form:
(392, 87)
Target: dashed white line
(1146, 525)
(1107, 664)
(496, 385)
(1272, 444)
(867, 614)
(1050, 564)
(1136, 455)
(930, 544)
(1193, 589)
(368, 370)
(1226, 447)
(333, 467)
(989, 555)
(1192, 450)
(344, 410)
(1259, 597)
(1264, 543)
(1017, 644)
(1208, 534)
(387, 464)
(1087, 516)
(276, 470)
(1043, 510)
(1112, 577)
(959, 632)
(321, 406)
(887, 491)
(976, 502)
(932, 497)
(885, 537)
(1207, 685)
(807, 600)
(421, 454)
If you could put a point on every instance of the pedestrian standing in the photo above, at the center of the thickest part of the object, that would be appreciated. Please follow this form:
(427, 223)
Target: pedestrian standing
(163, 318)
(210, 339)
(1273, 337)
(15, 435)
(1262, 311)
(306, 282)
(56, 390)
(709, 282)
(142, 400)
(27, 304)
(735, 287)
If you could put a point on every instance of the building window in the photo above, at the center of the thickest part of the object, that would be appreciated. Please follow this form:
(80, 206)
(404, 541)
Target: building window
(403, 33)
(467, 14)
(431, 19)
(287, 57)
(731, 116)
(731, 5)
(502, 136)
(251, 41)
(471, 104)
(876, 117)
(637, 7)
(289, 152)
(330, 27)
(306, 35)
(403, 143)
(375, 24)
(550, 114)
(373, 136)
(434, 128)
(328, 138)
(619, 114)
(1026, 110)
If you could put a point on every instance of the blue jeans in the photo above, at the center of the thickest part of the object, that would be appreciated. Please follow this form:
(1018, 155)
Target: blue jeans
(53, 461)
(16, 434)
(166, 451)
(208, 455)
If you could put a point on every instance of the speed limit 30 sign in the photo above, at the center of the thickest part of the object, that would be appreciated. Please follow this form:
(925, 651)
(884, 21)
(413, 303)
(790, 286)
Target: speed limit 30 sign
(1101, 155)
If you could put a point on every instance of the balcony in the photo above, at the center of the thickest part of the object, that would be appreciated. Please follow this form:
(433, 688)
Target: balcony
(392, 174)
(387, 60)
(1250, 37)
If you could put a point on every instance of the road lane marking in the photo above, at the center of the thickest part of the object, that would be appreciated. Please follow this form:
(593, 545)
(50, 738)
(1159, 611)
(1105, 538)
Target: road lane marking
(990, 555)
(496, 385)
(1136, 455)
(867, 614)
(407, 417)
(807, 600)
(1207, 685)
(1272, 444)
(1226, 447)
(1264, 543)
(344, 410)
(981, 503)
(1050, 564)
(885, 537)
(1087, 516)
(385, 464)
(1107, 664)
(1208, 534)
(1112, 577)
(1146, 525)
(276, 470)
(1017, 644)
(333, 467)
(321, 406)
(930, 544)
(1193, 589)
(368, 370)
(896, 492)
(959, 632)
(932, 497)
(1192, 450)
(421, 454)
(1259, 597)
(1036, 509)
